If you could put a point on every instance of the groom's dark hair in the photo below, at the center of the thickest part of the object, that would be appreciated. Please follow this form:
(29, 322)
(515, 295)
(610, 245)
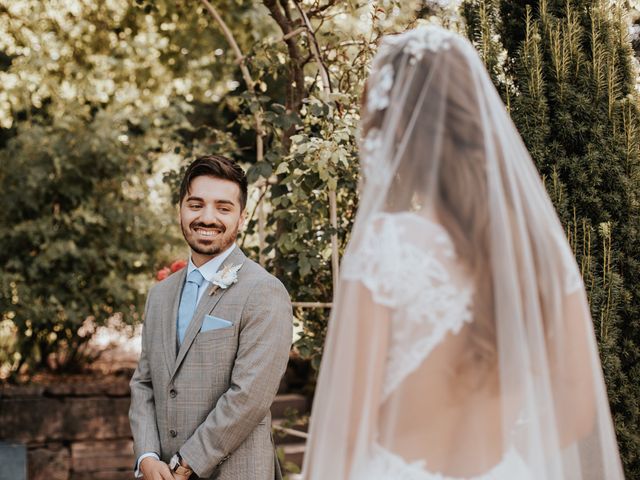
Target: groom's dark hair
(215, 166)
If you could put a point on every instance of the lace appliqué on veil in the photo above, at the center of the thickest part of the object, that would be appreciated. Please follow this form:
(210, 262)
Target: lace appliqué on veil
(420, 40)
(378, 96)
(414, 283)
(374, 169)
(413, 43)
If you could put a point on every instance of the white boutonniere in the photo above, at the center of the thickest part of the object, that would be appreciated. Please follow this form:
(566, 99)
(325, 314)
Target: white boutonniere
(225, 278)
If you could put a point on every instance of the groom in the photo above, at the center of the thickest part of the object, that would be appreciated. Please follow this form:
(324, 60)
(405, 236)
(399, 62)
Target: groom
(215, 344)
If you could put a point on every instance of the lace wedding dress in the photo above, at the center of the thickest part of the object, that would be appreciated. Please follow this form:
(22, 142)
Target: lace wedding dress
(409, 265)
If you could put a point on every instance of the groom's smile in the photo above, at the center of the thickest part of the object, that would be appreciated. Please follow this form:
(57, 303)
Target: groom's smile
(210, 217)
(208, 232)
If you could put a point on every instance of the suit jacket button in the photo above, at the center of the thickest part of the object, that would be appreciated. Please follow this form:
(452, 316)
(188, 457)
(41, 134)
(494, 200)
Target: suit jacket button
(173, 433)
(173, 393)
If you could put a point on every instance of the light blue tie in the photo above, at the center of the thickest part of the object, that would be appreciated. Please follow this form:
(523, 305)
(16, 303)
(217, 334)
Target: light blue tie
(188, 302)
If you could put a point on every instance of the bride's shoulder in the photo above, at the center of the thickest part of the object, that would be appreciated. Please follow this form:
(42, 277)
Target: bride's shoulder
(401, 255)
(398, 241)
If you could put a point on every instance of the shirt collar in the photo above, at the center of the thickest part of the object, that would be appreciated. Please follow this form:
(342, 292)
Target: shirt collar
(209, 269)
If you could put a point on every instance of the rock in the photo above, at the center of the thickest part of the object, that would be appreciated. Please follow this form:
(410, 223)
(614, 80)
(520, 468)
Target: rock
(21, 391)
(105, 475)
(96, 418)
(39, 420)
(31, 420)
(52, 462)
(102, 456)
(110, 386)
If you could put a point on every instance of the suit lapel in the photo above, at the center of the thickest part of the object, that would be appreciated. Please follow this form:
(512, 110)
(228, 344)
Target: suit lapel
(170, 316)
(206, 305)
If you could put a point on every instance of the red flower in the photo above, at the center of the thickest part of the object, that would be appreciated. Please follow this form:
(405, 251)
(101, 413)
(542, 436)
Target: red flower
(164, 273)
(178, 265)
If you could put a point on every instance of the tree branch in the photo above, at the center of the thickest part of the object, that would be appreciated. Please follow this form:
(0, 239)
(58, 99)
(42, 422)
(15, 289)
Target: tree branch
(315, 11)
(246, 75)
(315, 49)
(296, 92)
(333, 202)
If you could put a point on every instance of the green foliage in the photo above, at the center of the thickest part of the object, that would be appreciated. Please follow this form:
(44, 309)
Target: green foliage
(570, 82)
(81, 112)
(77, 240)
(322, 158)
(482, 20)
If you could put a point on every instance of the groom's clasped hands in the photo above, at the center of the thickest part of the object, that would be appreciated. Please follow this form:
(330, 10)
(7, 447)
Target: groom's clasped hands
(154, 469)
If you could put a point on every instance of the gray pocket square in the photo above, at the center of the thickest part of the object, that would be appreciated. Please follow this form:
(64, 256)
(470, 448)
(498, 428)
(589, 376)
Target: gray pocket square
(214, 323)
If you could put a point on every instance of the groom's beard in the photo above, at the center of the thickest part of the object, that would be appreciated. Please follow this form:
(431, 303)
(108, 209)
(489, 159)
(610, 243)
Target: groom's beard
(210, 246)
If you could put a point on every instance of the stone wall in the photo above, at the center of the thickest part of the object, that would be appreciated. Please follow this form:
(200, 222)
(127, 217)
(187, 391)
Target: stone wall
(75, 428)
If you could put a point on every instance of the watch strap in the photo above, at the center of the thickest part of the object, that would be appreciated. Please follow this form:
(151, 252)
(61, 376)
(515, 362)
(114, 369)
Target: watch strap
(180, 470)
(177, 466)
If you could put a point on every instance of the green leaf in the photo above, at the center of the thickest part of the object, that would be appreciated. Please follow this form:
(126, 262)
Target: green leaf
(282, 168)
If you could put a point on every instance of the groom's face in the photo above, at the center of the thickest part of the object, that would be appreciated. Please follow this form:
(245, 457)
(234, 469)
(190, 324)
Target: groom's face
(210, 216)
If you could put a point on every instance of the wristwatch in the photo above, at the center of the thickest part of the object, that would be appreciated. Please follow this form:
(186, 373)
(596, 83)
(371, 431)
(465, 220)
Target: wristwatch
(175, 464)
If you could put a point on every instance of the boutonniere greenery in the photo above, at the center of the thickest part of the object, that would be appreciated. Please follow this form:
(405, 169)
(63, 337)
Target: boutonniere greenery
(225, 278)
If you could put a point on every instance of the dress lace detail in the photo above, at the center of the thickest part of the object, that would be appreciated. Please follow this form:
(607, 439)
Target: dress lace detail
(406, 262)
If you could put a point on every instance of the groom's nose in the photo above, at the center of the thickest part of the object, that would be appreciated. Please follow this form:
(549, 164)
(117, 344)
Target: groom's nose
(208, 215)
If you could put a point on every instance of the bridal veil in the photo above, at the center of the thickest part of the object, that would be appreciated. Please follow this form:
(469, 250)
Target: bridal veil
(460, 336)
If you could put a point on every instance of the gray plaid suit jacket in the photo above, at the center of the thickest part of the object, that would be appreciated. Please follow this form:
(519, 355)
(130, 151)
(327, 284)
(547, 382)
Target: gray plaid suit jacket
(211, 398)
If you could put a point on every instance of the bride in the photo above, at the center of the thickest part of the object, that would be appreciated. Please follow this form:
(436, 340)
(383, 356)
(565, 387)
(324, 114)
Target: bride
(460, 344)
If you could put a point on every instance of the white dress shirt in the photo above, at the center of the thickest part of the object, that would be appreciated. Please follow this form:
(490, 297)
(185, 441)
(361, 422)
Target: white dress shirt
(209, 269)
